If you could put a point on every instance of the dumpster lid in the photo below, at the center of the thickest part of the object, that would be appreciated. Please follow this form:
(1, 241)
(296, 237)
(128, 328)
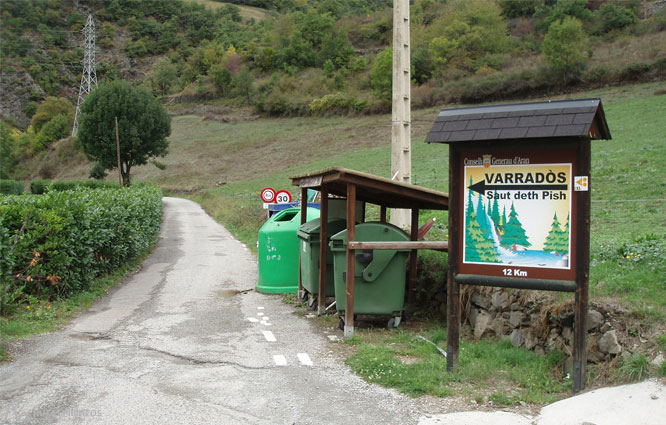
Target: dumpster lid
(374, 231)
(313, 227)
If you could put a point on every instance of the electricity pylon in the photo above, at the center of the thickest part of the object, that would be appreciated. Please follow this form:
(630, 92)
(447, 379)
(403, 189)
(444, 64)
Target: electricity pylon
(89, 74)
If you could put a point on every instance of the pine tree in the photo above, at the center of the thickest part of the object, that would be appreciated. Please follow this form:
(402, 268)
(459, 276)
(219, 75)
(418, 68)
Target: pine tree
(482, 218)
(556, 241)
(514, 233)
(495, 214)
(478, 248)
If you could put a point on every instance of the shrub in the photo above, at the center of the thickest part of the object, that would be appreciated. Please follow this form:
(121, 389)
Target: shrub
(336, 103)
(78, 184)
(614, 17)
(11, 187)
(55, 244)
(57, 128)
(565, 47)
(634, 71)
(39, 187)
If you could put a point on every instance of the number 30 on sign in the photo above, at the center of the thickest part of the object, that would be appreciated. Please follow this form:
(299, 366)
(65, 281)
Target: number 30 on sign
(283, 197)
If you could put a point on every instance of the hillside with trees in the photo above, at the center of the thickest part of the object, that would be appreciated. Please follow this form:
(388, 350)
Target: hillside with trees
(315, 57)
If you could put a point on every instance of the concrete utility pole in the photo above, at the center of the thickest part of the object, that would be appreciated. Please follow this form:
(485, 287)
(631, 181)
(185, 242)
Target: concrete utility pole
(89, 74)
(401, 143)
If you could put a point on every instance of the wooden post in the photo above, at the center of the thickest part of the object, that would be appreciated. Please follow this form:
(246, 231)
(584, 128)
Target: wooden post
(582, 271)
(120, 176)
(323, 250)
(452, 287)
(351, 261)
(411, 265)
(382, 214)
(304, 217)
(401, 157)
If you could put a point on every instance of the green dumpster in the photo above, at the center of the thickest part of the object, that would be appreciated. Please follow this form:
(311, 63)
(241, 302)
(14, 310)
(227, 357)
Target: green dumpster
(380, 274)
(278, 251)
(309, 234)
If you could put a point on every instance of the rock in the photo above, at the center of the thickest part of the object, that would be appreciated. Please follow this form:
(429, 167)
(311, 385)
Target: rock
(515, 306)
(473, 314)
(657, 361)
(517, 337)
(594, 319)
(539, 350)
(480, 300)
(567, 334)
(500, 326)
(605, 327)
(608, 343)
(516, 318)
(483, 319)
(530, 340)
(554, 341)
(500, 300)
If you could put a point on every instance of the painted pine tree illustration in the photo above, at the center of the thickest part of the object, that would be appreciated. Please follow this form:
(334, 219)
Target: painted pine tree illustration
(557, 240)
(495, 213)
(514, 233)
(478, 247)
(482, 218)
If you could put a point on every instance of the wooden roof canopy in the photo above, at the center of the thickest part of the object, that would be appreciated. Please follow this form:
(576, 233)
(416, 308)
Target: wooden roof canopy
(538, 120)
(373, 189)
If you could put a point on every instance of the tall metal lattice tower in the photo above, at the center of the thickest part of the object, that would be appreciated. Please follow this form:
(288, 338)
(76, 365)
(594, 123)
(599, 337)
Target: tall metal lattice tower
(89, 75)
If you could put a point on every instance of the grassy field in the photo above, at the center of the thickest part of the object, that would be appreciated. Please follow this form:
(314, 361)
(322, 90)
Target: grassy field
(224, 164)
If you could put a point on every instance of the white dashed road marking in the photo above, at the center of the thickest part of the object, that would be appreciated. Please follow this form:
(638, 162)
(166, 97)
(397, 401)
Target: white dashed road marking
(269, 336)
(304, 359)
(253, 319)
(280, 360)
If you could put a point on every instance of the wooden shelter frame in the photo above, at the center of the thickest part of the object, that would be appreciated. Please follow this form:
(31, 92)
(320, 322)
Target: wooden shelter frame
(357, 186)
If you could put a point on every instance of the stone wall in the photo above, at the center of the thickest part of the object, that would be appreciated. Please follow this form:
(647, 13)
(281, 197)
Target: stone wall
(542, 323)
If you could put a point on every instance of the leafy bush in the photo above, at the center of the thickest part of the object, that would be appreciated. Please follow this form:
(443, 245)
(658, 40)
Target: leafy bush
(336, 103)
(39, 187)
(55, 244)
(11, 187)
(77, 184)
(615, 17)
(57, 128)
(565, 47)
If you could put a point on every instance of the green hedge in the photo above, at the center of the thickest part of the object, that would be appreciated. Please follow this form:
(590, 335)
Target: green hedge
(55, 244)
(39, 187)
(11, 187)
(74, 184)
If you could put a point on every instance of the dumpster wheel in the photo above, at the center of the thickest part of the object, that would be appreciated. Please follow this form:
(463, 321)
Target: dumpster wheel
(393, 323)
(312, 303)
(303, 295)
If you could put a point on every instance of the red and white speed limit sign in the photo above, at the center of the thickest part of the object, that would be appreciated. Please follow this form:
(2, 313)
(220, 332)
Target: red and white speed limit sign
(268, 195)
(283, 197)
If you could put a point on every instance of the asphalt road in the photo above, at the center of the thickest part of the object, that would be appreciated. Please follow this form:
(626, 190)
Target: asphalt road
(187, 340)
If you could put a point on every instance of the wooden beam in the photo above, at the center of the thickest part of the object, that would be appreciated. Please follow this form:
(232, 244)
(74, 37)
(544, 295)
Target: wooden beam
(304, 218)
(411, 262)
(382, 213)
(452, 287)
(432, 245)
(323, 250)
(582, 271)
(351, 261)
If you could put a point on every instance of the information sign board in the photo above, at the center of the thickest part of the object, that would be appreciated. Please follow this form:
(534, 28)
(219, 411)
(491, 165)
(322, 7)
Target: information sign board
(518, 214)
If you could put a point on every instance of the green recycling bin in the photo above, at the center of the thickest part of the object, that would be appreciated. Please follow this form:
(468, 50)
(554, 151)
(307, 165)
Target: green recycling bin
(380, 274)
(278, 251)
(309, 234)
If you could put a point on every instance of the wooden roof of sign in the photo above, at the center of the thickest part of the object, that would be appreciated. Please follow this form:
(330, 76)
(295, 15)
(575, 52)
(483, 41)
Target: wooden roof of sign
(373, 189)
(537, 120)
